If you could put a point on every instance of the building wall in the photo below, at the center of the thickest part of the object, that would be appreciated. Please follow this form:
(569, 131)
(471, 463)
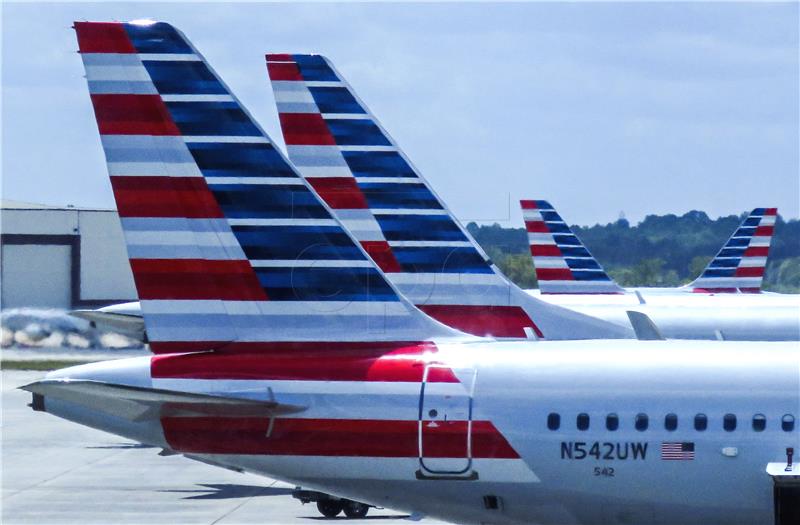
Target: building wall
(36, 275)
(63, 258)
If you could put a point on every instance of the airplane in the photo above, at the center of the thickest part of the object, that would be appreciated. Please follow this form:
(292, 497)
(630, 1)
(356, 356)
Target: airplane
(340, 148)
(123, 318)
(261, 368)
(724, 302)
(565, 266)
(715, 299)
(401, 224)
(374, 189)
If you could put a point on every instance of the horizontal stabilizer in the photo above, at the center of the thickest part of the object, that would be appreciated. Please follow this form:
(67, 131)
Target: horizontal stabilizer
(126, 324)
(156, 403)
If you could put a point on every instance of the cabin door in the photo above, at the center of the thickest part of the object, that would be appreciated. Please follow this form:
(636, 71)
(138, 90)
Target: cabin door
(445, 423)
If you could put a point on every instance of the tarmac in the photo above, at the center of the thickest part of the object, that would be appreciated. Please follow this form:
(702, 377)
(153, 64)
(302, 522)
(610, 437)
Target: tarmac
(67, 354)
(57, 472)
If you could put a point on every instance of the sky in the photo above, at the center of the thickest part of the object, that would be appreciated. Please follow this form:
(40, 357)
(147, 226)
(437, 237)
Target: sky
(600, 108)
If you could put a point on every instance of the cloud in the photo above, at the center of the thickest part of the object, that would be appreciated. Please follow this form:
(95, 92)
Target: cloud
(566, 101)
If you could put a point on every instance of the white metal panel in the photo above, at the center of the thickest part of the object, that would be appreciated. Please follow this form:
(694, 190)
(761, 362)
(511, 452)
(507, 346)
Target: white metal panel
(105, 270)
(36, 275)
(40, 221)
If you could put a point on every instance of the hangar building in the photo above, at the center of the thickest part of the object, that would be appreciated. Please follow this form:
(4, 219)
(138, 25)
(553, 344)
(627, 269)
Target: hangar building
(62, 257)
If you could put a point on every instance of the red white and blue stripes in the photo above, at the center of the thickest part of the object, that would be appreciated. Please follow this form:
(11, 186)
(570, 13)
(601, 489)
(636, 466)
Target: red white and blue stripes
(371, 186)
(360, 402)
(739, 266)
(227, 243)
(562, 262)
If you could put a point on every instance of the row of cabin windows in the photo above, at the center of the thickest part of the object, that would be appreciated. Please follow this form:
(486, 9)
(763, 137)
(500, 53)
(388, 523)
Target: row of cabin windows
(642, 422)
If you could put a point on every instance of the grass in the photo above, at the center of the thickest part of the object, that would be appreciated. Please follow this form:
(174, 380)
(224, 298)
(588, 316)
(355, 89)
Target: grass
(44, 365)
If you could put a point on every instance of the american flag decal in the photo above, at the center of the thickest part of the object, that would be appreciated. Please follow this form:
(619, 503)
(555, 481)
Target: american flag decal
(677, 451)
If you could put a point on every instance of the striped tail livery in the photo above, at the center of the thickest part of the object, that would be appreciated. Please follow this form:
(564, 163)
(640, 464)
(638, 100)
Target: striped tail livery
(562, 262)
(279, 342)
(229, 247)
(339, 147)
(739, 266)
(333, 382)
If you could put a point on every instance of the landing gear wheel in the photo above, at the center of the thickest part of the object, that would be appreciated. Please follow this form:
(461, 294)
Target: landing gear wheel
(355, 510)
(330, 508)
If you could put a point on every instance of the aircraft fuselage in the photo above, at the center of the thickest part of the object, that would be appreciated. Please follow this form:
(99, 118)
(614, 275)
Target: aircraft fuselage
(685, 315)
(440, 431)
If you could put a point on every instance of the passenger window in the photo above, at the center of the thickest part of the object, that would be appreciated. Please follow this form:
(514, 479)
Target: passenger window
(759, 422)
(700, 422)
(612, 422)
(787, 423)
(671, 422)
(553, 421)
(641, 422)
(729, 422)
(583, 421)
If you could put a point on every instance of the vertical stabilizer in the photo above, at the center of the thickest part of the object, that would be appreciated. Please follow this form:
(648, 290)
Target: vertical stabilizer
(562, 262)
(229, 247)
(340, 148)
(739, 266)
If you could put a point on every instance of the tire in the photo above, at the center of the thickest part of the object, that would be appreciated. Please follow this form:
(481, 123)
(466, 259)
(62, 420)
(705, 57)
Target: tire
(330, 508)
(355, 510)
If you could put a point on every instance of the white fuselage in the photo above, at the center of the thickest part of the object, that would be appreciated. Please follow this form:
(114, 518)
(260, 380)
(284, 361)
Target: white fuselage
(685, 315)
(440, 446)
(678, 314)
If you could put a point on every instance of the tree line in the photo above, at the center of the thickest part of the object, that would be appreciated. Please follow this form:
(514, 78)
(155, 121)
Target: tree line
(662, 250)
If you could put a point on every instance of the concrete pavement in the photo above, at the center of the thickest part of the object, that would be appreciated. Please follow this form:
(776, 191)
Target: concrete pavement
(57, 472)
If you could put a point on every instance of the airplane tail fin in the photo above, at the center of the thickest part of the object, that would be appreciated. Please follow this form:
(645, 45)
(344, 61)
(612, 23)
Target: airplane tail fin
(229, 247)
(739, 265)
(562, 262)
(341, 149)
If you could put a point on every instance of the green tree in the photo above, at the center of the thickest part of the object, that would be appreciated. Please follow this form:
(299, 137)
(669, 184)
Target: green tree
(684, 245)
(698, 264)
(622, 276)
(788, 276)
(519, 268)
(649, 272)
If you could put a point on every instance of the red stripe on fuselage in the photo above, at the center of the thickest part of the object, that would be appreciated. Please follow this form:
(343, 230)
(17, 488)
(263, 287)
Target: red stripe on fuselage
(198, 279)
(394, 362)
(103, 37)
(133, 115)
(332, 437)
(144, 196)
(483, 320)
(726, 290)
(174, 347)
(305, 129)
